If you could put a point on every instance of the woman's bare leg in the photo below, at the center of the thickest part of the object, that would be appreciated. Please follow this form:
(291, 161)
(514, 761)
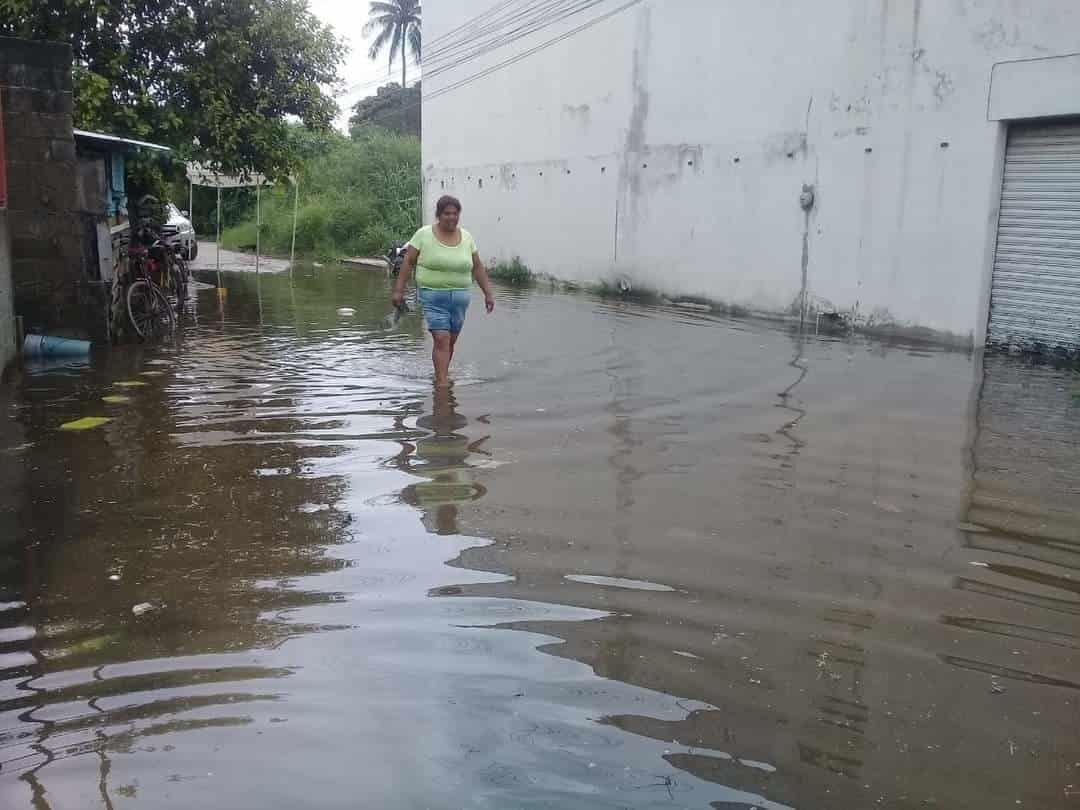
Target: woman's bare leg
(441, 355)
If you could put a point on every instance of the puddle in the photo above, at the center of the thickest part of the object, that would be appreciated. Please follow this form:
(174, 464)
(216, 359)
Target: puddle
(874, 549)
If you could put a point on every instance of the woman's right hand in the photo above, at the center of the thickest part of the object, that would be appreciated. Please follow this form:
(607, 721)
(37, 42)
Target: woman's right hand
(398, 298)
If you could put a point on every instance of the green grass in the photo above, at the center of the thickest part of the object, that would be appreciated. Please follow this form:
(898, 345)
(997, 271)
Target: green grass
(357, 195)
(514, 271)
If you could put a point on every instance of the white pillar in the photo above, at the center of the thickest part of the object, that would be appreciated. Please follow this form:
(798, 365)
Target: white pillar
(295, 209)
(258, 227)
(217, 258)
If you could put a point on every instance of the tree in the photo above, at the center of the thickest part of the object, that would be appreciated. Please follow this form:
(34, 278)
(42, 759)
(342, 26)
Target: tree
(391, 108)
(398, 25)
(218, 80)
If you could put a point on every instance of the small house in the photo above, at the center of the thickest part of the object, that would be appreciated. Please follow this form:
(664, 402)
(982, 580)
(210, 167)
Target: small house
(101, 198)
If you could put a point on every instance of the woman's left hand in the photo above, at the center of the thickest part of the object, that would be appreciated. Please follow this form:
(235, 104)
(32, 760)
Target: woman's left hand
(489, 303)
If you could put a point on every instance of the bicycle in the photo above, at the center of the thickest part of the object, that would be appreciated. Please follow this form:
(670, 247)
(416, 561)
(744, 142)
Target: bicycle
(149, 310)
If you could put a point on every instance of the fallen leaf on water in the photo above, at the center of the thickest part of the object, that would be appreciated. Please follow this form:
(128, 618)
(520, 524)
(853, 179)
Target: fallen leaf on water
(116, 399)
(152, 373)
(86, 423)
(90, 645)
(130, 383)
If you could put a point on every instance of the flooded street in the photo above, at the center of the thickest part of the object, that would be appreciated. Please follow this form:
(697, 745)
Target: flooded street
(638, 557)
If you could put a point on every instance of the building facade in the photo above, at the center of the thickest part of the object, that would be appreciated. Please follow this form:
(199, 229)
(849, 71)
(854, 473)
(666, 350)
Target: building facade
(843, 157)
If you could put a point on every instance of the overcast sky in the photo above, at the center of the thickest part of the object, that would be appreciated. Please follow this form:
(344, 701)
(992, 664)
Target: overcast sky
(361, 75)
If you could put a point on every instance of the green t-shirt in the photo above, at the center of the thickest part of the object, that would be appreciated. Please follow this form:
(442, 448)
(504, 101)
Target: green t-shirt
(442, 267)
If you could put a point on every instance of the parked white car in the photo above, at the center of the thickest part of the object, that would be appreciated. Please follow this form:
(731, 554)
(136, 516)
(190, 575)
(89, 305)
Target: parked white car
(179, 233)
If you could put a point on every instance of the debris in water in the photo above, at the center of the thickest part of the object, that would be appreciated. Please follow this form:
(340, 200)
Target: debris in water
(761, 766)
(130, 383)
(346, 312)
(887, 507)
(151, 373)
(699, 307)
(142, 607)
(86, 423)
(618, 582)
(996, 687)
(116, 399)
(114, 577)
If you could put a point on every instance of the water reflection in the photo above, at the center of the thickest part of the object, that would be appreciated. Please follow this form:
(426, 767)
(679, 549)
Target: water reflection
(742, 568)
(198, 500)
(441, 458)
(808, 629)
(1021, 526)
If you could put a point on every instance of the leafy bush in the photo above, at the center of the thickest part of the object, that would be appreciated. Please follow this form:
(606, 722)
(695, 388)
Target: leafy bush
(357, 195)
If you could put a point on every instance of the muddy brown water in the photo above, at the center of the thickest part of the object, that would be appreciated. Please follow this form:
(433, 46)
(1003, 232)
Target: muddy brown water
(639, 557)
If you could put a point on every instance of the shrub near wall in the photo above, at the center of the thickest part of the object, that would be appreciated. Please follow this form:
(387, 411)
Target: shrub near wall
(357, 196)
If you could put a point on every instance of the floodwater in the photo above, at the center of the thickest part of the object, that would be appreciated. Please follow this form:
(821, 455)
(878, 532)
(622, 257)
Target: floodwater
(639, 557)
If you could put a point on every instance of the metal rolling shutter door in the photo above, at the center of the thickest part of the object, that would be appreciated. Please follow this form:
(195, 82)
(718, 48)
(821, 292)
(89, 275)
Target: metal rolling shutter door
(1035, 296)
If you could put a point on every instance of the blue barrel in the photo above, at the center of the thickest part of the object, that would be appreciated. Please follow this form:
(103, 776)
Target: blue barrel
(46, 346)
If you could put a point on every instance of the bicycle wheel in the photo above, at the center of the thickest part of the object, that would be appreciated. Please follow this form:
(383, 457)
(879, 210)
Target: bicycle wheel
(149, 311)
(168, 317)
(180, 277)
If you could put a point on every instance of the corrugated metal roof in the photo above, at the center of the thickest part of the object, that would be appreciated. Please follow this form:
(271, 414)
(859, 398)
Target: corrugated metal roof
(115, 139)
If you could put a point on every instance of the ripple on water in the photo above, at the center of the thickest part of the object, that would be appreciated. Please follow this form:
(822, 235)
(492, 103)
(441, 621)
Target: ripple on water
(352, 584)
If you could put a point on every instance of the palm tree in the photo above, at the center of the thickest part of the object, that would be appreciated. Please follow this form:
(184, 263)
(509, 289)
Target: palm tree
(398, 25)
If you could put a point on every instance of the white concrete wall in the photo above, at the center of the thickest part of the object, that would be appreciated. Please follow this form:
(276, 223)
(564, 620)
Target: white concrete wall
(670, 142)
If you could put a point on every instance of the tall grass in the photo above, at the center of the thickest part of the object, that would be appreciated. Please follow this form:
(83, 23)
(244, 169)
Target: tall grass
(514, 271)
(357, 196)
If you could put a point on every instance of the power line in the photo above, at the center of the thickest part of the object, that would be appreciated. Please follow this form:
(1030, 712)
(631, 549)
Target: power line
(525, 54)
(469, 23)
(431, 49)
(489, 26)
(551, 12)
(582, 6)
(497, 31)
(368, 84)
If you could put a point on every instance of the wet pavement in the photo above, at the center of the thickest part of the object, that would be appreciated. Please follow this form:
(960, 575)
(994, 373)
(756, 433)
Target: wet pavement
(210, 259)
(636, 558)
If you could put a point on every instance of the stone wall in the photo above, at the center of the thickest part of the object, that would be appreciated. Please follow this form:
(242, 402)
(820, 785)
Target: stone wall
(48, 255)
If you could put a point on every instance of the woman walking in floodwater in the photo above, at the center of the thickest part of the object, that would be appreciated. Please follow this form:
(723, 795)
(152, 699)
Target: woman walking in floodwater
(446, 261)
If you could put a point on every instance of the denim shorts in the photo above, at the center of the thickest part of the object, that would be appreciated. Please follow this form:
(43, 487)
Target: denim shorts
(444, 310)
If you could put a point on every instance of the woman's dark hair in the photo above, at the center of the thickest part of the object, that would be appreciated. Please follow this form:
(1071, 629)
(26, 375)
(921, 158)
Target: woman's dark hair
(447, 202)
